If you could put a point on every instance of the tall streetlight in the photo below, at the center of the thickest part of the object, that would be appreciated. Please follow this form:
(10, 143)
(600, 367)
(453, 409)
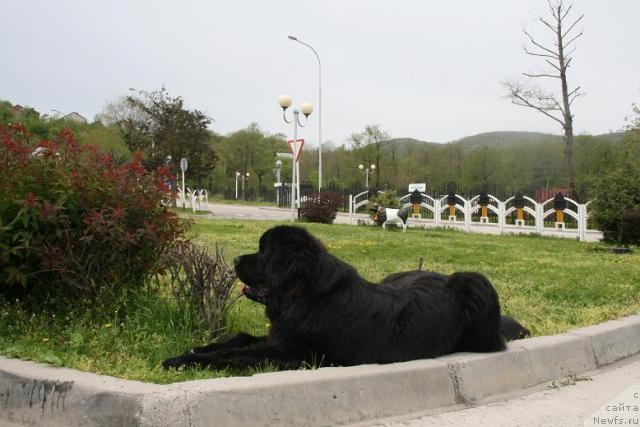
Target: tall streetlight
(319, 110)
(367, 171)
(306, 108)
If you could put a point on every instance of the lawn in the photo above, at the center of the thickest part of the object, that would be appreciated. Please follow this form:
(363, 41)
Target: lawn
(550, 285)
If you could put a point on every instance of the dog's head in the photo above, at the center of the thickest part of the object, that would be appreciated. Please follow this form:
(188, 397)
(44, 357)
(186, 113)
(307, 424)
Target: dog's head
(287, 265)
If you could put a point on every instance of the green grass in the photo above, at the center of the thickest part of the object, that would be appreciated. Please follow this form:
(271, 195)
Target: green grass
(550, 285)
(241, 202)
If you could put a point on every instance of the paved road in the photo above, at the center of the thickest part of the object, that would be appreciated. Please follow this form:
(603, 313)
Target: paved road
(220, 210)
(570, 404)
(265, 213)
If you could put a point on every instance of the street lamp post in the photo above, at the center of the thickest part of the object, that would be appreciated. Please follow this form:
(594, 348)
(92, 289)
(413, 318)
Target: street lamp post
(237, 176)
(276, 170)
(242, 178)
(285, 102)
(367, 171)
(319, 110)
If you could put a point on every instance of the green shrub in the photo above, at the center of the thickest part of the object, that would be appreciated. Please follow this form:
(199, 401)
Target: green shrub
(386, 199)
(618, 197)
(630, 226)
(74, 224)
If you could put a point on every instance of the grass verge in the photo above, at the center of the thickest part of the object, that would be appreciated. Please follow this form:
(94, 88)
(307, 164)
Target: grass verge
(551, 285)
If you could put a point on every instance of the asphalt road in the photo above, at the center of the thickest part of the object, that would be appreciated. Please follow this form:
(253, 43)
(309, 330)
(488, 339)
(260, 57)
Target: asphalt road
(571, 402)
(264, 213)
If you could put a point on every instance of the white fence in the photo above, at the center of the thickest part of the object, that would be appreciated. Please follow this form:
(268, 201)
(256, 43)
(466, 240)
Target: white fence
(196, 200)
(523, 215)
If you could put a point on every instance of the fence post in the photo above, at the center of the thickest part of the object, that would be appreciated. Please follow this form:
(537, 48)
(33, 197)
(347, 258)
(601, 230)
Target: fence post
(539, 219)
(436, 214)
(582, 222)
(501, 217)
(351, 209)
(467, 215)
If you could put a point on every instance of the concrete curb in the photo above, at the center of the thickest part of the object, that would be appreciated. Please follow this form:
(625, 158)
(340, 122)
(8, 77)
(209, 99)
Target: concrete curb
(38, 394)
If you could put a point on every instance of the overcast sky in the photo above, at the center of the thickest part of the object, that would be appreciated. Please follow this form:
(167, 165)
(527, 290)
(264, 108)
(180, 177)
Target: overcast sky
(426, 69)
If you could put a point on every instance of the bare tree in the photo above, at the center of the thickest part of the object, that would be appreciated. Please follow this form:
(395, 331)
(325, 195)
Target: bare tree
(558, 56)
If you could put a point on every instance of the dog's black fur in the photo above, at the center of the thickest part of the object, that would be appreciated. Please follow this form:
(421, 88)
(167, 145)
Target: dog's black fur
(322, 310)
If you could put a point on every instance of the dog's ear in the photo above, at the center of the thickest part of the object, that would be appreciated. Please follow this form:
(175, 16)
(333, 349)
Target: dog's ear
(293, 259)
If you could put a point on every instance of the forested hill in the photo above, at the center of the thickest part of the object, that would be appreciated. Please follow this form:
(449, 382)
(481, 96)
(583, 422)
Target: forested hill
(502, 162)
(502, 138)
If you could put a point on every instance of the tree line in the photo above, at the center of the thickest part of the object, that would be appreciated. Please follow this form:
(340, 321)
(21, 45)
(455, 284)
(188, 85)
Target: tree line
(501, 162)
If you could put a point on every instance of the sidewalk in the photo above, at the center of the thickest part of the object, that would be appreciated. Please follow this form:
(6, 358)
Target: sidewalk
(571, 402)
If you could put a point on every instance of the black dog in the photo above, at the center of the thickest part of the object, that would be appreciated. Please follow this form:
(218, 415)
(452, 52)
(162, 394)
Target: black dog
(322, 310)
(509, 327)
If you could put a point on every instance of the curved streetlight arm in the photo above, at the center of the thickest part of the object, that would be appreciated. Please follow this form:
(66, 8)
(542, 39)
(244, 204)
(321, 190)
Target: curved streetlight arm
(296, 117)
(306, 120)
(284, 116)
(310, 47)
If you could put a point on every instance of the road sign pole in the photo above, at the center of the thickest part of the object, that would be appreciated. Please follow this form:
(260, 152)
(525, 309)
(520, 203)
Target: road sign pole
(183, 195)
(183, 167)
(293, 166)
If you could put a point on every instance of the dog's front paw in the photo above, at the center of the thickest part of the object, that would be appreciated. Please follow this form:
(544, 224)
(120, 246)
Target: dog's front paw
(175, 362)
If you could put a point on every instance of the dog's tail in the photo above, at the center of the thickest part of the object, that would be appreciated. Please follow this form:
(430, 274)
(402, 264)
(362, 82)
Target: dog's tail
(481, 312)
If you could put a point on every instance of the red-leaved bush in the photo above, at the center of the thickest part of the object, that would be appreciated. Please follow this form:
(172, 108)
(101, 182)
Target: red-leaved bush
(73, 223)
(321, 207)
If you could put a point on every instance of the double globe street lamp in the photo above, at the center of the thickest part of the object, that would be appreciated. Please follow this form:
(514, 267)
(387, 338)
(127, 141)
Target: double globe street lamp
(243, 178)
(306, 108)
(367, 171)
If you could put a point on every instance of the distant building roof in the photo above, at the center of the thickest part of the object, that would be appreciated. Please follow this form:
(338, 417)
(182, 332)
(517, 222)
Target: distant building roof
(17, 109)
(76, 117)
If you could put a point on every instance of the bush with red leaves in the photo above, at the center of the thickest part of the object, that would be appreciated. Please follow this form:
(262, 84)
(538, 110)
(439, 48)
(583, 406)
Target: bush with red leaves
(74, 224)
(321, 207)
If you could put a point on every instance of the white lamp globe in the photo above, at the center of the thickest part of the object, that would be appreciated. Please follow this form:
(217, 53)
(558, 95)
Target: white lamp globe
(361, 167)
(285, 101)
(306, 108)
(373, 167)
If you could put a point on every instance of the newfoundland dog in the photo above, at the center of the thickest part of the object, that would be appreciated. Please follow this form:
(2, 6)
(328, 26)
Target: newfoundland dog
(322, 311)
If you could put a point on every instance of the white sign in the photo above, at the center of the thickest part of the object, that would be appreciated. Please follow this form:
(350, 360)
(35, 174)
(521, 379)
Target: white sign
(284, 155)
(183, 164)
(420, 186)
(293, 146)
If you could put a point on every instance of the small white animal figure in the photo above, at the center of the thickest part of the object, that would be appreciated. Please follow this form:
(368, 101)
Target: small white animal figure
(386, 216)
